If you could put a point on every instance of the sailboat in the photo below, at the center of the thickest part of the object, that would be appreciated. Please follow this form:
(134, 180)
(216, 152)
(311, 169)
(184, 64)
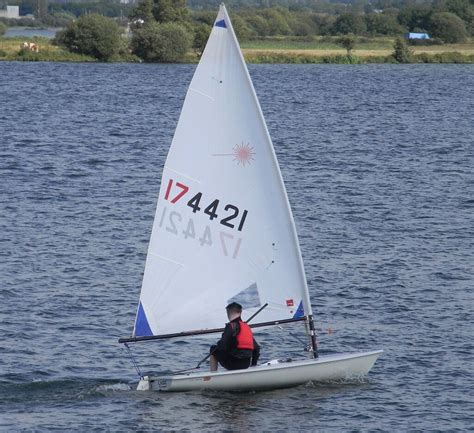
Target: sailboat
(224, 232)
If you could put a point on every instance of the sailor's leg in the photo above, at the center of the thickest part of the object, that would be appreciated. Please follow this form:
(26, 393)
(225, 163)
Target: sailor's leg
(213, 363)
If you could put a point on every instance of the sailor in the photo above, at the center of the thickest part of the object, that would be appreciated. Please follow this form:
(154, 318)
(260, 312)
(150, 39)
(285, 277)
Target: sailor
(237, 349)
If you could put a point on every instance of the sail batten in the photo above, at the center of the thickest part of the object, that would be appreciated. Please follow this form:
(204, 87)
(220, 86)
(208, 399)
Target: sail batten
(223, 227)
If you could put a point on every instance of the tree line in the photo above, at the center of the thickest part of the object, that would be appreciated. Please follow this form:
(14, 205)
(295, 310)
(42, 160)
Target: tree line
(161, 31)
(447, 20)
(165, 30)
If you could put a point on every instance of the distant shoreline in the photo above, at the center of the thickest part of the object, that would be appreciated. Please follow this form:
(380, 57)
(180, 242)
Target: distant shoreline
(273, 51)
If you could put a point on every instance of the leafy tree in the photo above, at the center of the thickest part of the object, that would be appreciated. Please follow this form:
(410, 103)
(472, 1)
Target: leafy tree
(242, 30)
(106, 8)
(348, 42)
(142, 11)
(206, 17)
(415, 17)
(3, 29)
(166, 11)
(28, 7)
(324, 23)
(93, 35)
(201, 35)
(448, 27)
(258, 24)
(462, 8)
(276, 20)
(348, 23)
(302, 24)
(58, 19)
(161, 42)
(382, 24)
(401, 53)
(41, 9)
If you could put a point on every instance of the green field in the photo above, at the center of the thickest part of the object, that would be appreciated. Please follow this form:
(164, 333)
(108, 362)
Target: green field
(329, 45)
(315, 43)
(273, 50)
(367, 50)
(10, 49)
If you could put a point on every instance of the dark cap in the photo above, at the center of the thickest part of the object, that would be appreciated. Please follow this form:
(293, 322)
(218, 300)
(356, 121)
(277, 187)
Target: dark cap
(234, 306)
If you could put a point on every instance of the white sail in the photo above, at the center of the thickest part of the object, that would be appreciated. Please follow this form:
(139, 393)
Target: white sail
(223, 227)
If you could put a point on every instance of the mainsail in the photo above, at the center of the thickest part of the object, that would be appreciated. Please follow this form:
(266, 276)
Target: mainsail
(223, 229)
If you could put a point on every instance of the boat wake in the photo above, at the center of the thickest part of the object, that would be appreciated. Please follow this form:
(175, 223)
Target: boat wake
(353, 380)
(64, 390)
(114, 387)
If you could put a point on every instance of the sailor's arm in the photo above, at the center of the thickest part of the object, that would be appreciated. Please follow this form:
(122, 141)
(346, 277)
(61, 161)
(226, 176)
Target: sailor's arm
(255, 353)
(224, 342)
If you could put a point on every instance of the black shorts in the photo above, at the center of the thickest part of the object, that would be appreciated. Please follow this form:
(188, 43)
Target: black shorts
(230, 362)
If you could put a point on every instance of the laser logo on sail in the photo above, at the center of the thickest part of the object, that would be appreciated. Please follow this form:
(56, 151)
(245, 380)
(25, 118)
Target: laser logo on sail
(243, 153)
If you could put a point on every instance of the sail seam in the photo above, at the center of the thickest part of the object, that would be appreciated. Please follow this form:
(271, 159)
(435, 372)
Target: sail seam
(182, 174)
(202, 94)
(165, 258)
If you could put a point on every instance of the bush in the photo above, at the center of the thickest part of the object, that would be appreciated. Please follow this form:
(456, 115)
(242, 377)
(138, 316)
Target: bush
(425, 42)
(401, 53)
(453, 57)
(155, 42)
(348, 42)
(52, 56)
(449, 57)
(342, 60)
(448, 27)
(93, 35)
(3, 29)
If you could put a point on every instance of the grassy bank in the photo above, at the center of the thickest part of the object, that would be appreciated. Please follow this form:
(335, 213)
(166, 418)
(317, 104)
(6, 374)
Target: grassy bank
(367, 50)
(285, 57)
(10, 49)
(270, 50)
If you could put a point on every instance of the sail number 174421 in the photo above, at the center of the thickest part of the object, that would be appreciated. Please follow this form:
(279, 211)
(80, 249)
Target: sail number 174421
(175, 191)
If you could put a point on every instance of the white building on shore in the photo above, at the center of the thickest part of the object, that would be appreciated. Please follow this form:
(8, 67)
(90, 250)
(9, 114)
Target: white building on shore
(11, 12)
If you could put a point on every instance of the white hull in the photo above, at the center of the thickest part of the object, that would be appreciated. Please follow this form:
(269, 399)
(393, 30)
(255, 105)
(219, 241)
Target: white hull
(281, 375)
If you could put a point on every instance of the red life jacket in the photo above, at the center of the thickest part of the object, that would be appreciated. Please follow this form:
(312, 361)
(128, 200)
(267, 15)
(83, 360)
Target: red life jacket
(245, 337)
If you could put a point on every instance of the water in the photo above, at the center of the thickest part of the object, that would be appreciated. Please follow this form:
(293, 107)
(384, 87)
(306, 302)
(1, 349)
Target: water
(378, 165)
(29, 32)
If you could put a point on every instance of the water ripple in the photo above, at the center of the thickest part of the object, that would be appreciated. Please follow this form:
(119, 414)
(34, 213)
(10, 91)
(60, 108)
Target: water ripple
(377, 160)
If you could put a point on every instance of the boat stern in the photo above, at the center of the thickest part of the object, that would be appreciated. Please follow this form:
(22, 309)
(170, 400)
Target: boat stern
(144, 384)
(148, 383)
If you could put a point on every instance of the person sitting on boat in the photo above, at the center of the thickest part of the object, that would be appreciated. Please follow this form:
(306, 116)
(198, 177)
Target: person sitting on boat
(237, 348)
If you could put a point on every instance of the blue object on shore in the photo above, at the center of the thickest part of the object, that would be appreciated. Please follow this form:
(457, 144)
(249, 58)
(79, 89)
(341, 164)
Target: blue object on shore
(417, 36)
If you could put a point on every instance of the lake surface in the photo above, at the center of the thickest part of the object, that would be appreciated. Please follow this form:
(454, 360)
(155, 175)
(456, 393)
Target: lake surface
(378, 162)
(30, 32)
